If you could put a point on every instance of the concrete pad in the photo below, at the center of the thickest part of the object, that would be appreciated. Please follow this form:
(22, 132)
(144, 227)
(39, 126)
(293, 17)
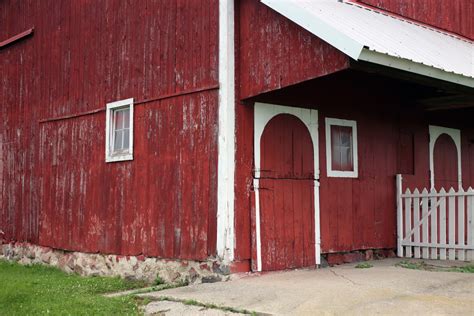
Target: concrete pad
(179, 309)
(383, 289)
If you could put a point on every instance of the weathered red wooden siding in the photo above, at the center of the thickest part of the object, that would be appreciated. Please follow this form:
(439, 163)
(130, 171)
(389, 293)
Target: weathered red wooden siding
(286, 191)
(452, 15)
(272, 53)
(57, 188)
(276, 52)
(361, 213)
(445, 162)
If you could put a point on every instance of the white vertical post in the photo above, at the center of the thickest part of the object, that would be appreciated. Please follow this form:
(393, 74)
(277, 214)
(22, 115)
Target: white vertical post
(399, 215)
(470, 223)
(442, 224)
(452, 225)
(461, 222)
(226, 135)
(317, 222)
(408, 226)
(434, 224)
(416, 220)
(256, 186)
(424, 233)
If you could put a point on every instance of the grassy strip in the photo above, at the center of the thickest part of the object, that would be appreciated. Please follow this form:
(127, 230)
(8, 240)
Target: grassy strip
(208, 305)
(421, 265)
(38, 289)
(364, 265)
(157, 288)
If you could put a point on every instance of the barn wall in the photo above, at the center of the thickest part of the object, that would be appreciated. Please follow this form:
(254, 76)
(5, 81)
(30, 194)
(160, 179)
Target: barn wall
(451, 15)
(272, 53)
(57, 189)
(361, 213)
(275, 52)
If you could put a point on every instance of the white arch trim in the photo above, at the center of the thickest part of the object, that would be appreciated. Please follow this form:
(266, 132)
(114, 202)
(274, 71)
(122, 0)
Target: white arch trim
(264, 112)
(435, 133)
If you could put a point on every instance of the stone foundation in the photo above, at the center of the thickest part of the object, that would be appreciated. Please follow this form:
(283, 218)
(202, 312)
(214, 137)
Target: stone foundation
(130, 267)
(359, 255)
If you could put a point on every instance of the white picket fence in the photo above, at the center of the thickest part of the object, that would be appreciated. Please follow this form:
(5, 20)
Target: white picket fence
(435, 225)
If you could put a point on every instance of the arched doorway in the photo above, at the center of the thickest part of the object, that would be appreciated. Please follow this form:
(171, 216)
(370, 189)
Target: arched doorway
(287, 195)
(445, 163)
(445, 158)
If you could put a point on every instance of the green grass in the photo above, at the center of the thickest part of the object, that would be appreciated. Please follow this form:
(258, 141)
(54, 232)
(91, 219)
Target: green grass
(209, 305)
(465, 269)
(38, 290)
(421, 265)
(364, 265)
(418, 265)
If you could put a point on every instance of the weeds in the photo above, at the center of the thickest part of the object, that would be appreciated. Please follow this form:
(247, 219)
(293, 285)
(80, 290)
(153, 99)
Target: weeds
(364, 265)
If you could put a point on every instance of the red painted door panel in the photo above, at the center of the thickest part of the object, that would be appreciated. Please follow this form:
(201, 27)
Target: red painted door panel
(445, 163)
(287, 195)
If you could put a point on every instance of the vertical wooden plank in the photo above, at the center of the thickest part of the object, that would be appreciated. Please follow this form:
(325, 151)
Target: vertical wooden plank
(308, 222)
(470, 224)
(399, 215)
(417, 223)
(461, 222)
(289, 224)
(425, 224)
(408, 226)
(280, 226)
(442, 224)
(299, 221)
(434, 224)
(452, 225)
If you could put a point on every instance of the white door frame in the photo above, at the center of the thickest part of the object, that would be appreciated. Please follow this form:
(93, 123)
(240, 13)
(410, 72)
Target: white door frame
(435, 133)
(263, 114)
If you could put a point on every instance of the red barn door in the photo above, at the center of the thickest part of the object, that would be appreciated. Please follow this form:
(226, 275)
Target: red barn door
(286, 189)
(445, 158)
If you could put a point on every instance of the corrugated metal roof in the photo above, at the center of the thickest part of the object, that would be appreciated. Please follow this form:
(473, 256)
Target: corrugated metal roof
(367, 34)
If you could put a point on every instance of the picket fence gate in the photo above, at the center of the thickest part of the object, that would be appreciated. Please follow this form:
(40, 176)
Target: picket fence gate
(435, 225)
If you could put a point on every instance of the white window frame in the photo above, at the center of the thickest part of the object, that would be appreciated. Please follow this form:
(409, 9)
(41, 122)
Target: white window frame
(337, 173)
(109, 125)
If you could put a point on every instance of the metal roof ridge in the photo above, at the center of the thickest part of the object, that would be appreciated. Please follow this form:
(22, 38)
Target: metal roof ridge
(408, 20)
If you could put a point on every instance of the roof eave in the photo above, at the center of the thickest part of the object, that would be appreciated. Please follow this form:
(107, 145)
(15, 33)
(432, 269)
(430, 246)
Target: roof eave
(316, 26)
(356, 50)
(414, 67)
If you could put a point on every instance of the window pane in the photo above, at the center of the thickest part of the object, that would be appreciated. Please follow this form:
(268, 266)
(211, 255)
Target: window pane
(126, 139)
(341, 148)
(126, 118)
(118, 140)
(119, 118)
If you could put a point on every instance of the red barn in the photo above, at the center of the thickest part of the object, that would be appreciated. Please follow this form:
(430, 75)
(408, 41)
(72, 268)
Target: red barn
(193, 138)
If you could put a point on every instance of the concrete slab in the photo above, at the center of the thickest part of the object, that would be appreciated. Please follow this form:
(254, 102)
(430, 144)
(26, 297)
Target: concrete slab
(179, 309)
(384, 289)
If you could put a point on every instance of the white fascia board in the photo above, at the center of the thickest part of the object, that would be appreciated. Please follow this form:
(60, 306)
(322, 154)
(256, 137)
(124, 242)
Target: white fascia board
(316, 26)
(414, 67)
(226, 135)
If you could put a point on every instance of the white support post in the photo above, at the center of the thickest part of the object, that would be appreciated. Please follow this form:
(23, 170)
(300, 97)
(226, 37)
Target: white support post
(226, 138)
(399, 215)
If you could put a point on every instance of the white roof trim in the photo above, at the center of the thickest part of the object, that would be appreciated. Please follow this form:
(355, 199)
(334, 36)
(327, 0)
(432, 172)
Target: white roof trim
(369, 35)
(318, 27)
(410, 66)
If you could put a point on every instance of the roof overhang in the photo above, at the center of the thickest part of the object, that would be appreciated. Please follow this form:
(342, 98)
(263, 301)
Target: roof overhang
(365, 34)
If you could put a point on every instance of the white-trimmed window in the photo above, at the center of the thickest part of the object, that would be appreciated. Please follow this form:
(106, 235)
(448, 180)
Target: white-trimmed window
(119, 131)
(341, 148)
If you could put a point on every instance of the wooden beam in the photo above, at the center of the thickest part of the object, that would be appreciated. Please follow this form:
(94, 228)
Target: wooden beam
(447, 102)
(17, 37)
(411, 77)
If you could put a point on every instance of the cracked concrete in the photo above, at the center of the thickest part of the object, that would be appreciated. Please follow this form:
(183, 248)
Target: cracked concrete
(343, 290)
(178, 309)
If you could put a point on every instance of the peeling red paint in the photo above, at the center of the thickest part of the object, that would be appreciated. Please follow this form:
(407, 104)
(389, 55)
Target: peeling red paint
(57, 189)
